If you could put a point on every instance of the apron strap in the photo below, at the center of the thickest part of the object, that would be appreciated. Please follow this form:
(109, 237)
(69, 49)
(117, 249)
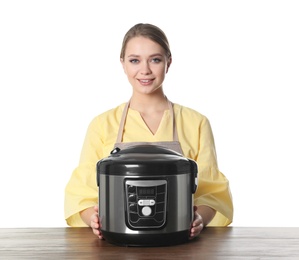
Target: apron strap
(122, 123)
(124, 116)
(174, 130)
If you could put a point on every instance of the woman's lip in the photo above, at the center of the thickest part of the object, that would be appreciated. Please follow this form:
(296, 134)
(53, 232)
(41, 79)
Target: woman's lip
(145, 81)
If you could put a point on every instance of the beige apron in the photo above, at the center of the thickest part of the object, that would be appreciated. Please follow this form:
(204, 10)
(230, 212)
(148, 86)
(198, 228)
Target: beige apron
(173, 145)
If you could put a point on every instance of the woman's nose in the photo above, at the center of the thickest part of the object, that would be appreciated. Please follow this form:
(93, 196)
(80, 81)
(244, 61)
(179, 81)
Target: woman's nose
(145, 68)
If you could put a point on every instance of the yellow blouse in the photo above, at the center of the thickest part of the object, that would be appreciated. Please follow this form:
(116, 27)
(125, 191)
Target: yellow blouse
(197, 142)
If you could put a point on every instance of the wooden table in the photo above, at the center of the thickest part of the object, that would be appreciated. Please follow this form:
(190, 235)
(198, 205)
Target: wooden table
(213, 243)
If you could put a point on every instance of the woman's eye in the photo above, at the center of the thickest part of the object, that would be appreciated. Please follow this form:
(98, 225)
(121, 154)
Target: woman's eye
(134, 61)
(156, 60)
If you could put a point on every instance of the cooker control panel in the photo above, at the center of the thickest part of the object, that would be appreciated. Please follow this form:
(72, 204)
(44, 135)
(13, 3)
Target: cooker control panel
(146, 203)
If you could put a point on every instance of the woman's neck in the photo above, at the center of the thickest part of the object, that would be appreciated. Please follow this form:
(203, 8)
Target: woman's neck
(151, 109)
(149, 103)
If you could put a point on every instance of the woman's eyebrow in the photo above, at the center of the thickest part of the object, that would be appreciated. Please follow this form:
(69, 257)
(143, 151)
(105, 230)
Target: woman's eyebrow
(152, 55)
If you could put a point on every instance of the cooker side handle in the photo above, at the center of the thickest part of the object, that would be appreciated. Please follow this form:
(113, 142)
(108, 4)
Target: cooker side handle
(194, 171)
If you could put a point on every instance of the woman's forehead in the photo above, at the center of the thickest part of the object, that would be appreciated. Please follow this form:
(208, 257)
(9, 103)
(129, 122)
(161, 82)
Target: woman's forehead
(141, 45)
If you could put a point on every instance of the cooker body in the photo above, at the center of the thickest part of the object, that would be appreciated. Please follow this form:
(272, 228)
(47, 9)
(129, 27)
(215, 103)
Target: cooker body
(146, 196)
(142, 210)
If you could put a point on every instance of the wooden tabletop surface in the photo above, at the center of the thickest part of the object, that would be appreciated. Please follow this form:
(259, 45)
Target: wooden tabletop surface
(213, 243)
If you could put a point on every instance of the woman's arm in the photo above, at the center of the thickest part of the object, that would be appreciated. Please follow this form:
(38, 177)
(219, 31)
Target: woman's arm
(206, 213)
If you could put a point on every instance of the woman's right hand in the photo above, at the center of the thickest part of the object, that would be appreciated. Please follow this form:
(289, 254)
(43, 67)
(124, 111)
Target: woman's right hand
(95, 222)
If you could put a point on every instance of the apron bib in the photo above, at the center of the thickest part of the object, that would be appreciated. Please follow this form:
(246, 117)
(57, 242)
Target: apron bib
(173, 145)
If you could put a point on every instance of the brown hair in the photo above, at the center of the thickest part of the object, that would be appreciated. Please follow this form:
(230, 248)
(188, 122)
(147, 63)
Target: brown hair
(149, 31)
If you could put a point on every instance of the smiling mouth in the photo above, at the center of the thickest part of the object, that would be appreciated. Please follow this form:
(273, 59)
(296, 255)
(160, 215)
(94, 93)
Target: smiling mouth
(145, 81)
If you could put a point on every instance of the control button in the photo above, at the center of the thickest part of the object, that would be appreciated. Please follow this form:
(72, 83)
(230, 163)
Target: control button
(160, 197)
(133, 207)
(160, 188)
(134, 217)
(146, 202)
(146, 211)
(131, 189)
(132, 198)
(160, 207)
(159, 217)
(152, 202)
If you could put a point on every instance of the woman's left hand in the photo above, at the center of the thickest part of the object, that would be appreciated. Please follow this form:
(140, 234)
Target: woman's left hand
(197, 224)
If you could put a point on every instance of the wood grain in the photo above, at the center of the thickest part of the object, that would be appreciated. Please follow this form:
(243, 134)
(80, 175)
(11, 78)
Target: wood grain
(213, 243)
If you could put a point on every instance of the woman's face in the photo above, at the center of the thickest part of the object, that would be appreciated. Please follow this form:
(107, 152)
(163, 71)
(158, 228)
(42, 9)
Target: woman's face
(145, 64)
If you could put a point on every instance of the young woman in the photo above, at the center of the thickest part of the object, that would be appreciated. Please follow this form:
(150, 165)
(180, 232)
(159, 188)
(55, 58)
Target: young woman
(149, 117)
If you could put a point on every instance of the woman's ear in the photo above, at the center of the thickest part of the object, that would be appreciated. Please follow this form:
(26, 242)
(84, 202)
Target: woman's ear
(168, 63)
(123, 64)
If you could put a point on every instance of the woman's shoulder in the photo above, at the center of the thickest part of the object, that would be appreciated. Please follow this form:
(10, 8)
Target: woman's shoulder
(112, 114)
(185, 111)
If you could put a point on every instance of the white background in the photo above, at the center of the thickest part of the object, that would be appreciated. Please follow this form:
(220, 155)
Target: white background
(237, 62)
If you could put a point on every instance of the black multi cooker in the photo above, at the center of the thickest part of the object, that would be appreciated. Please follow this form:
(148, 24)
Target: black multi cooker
(146, 196)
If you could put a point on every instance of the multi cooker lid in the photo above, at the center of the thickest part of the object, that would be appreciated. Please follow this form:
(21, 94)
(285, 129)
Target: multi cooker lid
(143, 160)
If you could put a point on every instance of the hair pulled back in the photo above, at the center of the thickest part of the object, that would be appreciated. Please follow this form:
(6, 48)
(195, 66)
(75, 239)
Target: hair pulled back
(149, 31)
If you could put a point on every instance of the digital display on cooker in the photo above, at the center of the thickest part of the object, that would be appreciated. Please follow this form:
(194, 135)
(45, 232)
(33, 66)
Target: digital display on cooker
(146, 191)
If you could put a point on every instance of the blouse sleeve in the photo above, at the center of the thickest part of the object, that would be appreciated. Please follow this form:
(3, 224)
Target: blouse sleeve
(81, 191)
(213, 187)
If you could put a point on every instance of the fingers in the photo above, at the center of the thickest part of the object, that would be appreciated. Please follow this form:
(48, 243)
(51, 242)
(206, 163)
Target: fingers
(95, 223)
(197, 225)
(98, 233)
(195, 230)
